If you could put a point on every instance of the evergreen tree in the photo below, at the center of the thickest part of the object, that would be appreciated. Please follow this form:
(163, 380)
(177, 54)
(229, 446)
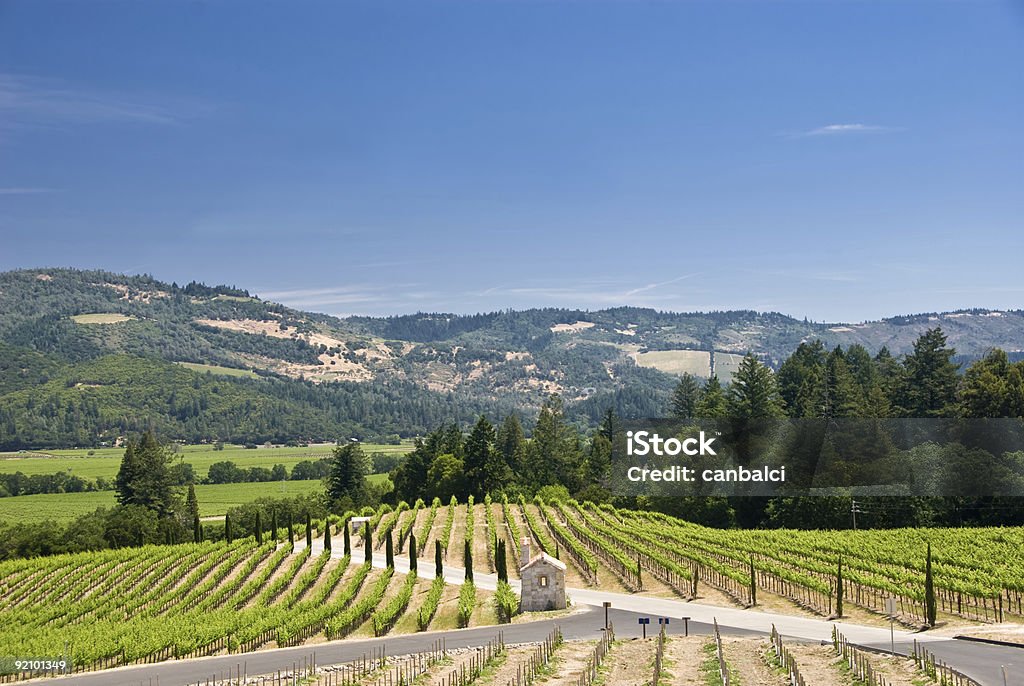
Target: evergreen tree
(192, 503)
(327, 536)
(992, 387)
(553, 455)
(438, 563)
(510, 443)
(753, 393)
(413, 561)
(259, 529)
(468, 557)
(347, 478)
(145, 478)
(929, 589)
(309, 532)
(930, 379)
(753, 582)
(839, 589)
(479, 458)
(291, 533)
(712, 403)
(501, 563)
(800, 379)
(227, 528)
(368, 543)
(273, 522)
(348, 538)
(197, 532)
(685, 398)
(389, 551)
(840, 394)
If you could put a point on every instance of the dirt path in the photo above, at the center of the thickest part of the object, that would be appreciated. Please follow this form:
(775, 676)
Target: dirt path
(480, 536)
(509, 669)
(569, 662)
(746, 657)
(631, 662)
(682, 660)
(819, 665)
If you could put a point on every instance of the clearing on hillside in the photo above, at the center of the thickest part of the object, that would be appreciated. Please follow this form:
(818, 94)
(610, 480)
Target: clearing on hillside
(101, 318)
(679, 362)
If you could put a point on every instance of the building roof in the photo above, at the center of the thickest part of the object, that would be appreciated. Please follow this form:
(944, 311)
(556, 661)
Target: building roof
(544, 557)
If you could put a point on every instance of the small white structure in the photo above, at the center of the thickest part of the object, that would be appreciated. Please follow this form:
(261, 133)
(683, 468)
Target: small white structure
(543, 580)
(357, 525)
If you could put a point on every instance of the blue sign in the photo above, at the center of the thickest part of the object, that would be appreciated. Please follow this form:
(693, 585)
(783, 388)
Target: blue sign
(662, 620)
(643, 620)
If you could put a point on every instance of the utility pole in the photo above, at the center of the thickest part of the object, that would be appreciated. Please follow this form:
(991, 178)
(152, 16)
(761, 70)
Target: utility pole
(855, 510)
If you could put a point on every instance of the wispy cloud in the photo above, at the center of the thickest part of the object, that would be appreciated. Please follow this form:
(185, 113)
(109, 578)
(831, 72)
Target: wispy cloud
(26, 191)
(34, 102)
(847, 129)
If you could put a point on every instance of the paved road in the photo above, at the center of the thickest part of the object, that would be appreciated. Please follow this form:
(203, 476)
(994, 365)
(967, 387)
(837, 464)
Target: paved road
(980, 661)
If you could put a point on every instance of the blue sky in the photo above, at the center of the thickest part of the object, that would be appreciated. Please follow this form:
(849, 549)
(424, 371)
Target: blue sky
(836, 160)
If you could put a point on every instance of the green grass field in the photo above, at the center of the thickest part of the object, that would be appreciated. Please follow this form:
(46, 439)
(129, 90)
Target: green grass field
(214, 499)
(104, 462)
(215, 369)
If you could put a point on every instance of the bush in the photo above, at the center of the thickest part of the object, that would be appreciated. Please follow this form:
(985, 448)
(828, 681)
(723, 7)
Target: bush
(506, 604)
(467, 603)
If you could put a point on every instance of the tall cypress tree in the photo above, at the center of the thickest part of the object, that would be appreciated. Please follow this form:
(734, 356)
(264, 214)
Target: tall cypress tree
(327, 536)
(929, 589)
(197, 532)
(468, 557)
(753, 582)
(500, 563)
(389, 551)
(191, 502)
(412, 552)
(348, 539)
(291, 533)
(368, 542)
(309, 532)
(273, 522)
(259, 529)
(839, 589)
(438, 564)
(227, 528)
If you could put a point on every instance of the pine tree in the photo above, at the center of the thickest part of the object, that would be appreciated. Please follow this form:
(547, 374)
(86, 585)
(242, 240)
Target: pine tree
(930, 377)
(348, 538)
(685, 398)
(438, 563)
(309, 532)
(479, 457)
(412, 552)
(389, 551)
(367, 542)
(468, 557)
(753, 393)
(712, 403)
(259, 529)
(227, 528)
(347, 478)
(510, 443)
(327, 535)
(144, 477)
(929, 589)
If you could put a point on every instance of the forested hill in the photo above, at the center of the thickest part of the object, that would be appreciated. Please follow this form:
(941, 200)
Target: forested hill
(88, 355)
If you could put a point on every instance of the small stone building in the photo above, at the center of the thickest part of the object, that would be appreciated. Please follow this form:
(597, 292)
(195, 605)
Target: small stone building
(358, 525)
(543, 580)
